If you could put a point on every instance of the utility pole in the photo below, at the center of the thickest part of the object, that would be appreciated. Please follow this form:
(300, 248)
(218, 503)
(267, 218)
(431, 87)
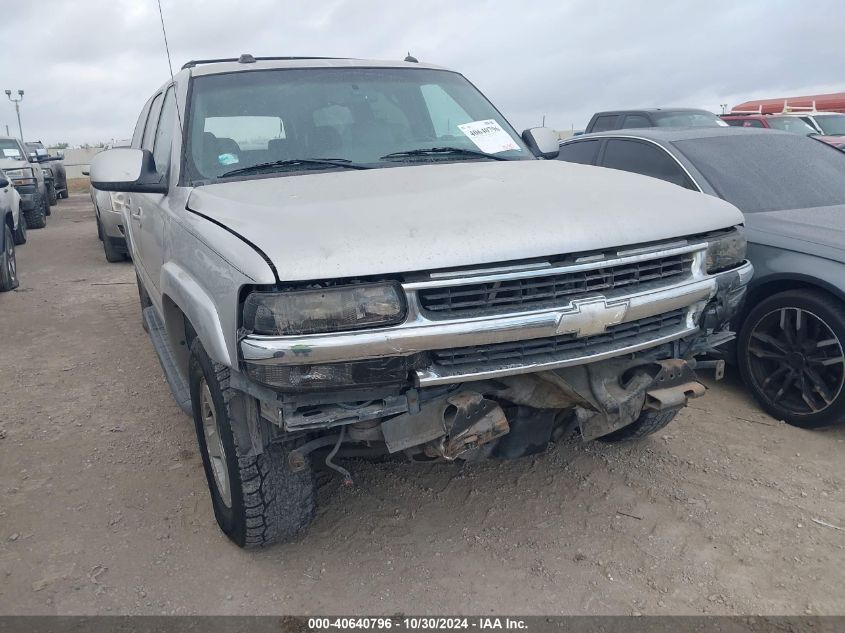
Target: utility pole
(17, 103)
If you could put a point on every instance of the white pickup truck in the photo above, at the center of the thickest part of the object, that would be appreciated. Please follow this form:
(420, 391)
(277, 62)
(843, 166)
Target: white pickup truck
(340, 256)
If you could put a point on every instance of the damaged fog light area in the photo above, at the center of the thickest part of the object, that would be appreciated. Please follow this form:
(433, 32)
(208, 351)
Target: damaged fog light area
(378, 372)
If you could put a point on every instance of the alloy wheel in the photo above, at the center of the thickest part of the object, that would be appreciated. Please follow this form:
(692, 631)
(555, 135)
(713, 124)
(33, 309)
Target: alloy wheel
(796, 360)
(214, 444)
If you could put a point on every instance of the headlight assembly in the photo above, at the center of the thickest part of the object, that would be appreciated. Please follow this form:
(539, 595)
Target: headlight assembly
(726, 252)
(332, 309)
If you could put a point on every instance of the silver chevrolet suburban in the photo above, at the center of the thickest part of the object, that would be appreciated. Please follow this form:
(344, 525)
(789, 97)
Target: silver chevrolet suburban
(346, 257)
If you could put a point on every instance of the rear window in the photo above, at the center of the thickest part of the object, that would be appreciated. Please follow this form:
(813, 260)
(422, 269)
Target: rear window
(687, 118)
(769, 171)
(605, 123)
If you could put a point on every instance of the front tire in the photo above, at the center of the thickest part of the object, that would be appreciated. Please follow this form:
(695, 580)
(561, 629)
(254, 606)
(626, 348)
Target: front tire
(8, 263)
(649, 422)
(52, 198)
(36, 218)
(257, 500)
(790, 353)
(112, 254)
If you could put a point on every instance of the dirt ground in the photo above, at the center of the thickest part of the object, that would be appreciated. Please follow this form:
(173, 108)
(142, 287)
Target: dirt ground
(104, 508)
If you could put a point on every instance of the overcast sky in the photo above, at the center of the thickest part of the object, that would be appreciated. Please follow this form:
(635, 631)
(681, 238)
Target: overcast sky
(87, 66)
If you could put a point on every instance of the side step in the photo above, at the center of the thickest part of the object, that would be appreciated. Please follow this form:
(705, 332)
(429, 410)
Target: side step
(178, 386)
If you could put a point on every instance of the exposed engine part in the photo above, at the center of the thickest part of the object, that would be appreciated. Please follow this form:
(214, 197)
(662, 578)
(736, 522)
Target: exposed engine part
(530, 431)
(366, 431)
(668, 383)
(347, 477)
(328, 415)
(296, 458)
(471, 420)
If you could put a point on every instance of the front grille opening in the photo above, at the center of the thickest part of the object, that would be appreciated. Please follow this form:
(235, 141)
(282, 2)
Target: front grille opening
(563, 346)
(536, 291)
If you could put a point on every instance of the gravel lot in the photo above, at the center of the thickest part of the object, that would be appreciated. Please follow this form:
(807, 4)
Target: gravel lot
(104, 509)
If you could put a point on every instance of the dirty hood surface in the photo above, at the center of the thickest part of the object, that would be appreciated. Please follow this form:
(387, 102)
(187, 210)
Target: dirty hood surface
(404, 219)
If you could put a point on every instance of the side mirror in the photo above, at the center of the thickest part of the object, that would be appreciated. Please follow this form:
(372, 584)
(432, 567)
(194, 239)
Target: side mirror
(126, 169)
(59, 156)
(4, 182)
(542, 141)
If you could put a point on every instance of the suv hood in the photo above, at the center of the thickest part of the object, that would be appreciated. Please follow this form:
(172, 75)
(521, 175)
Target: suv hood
(12, 163)
(817, 231)
(404, 219)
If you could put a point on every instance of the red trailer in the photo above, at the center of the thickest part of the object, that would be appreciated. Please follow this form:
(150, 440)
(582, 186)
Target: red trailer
(834, 102)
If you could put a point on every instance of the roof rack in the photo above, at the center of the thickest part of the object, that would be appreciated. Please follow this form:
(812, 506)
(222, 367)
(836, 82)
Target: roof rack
(248, 59)
(788, 108)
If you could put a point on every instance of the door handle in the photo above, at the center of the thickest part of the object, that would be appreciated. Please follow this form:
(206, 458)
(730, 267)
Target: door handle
(137, 213)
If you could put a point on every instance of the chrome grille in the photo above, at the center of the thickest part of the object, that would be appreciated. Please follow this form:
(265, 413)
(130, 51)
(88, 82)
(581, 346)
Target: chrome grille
(540, 349)
(534, 292)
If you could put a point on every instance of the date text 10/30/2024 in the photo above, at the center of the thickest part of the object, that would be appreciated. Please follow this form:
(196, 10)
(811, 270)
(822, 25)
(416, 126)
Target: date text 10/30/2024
(417, 623)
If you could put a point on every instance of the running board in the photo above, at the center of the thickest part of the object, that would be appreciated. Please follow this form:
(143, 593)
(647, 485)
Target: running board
(178, 387)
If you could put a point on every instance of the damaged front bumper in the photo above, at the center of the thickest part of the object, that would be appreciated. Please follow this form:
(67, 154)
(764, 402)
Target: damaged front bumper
(443, 352)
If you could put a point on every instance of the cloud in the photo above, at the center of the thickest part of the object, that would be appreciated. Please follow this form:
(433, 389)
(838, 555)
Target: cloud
(88, 66)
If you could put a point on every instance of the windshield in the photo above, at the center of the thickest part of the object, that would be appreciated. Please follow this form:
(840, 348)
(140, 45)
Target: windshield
(831, 124)
(9, 149)
(687, 118)
(359, 115)
(791, 124)
(769, 171)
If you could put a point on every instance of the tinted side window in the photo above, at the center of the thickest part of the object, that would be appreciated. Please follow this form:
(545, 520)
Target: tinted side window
(643, 158)
(734, 122)
(605, 123)
(164, 134)
(636, 120)
(583, 152)
(152, 123)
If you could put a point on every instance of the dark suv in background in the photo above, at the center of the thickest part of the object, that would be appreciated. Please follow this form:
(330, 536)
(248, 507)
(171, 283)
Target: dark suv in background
(652, 117)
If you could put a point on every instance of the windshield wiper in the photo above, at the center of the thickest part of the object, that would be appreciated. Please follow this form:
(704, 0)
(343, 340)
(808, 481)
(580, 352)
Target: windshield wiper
(434, 151)
(343, 163)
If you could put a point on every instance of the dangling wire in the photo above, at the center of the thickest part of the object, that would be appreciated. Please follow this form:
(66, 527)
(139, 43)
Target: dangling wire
(347, 477)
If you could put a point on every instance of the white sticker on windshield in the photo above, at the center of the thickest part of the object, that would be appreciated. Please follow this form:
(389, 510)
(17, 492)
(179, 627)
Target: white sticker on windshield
(11, 153)
(489, 136)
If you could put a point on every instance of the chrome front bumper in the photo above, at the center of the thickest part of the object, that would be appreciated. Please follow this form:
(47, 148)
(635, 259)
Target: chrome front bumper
(583, 316)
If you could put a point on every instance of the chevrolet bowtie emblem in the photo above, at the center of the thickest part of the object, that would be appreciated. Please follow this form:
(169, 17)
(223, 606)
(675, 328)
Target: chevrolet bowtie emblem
(591, 317)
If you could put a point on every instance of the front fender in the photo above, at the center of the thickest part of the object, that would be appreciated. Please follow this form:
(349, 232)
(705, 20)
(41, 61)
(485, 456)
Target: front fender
(180, 287)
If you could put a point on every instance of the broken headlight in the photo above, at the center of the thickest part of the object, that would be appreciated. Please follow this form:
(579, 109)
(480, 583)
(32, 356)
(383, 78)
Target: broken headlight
(333, 309)
(726, 252)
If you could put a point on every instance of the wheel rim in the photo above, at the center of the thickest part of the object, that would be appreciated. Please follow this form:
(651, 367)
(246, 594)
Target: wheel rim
(796, 360)
(214, 444)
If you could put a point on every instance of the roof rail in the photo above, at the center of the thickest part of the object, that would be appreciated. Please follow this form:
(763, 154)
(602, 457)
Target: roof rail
(248, 59)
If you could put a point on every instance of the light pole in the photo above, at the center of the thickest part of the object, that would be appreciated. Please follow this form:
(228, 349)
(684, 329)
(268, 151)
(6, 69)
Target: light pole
(17, 108)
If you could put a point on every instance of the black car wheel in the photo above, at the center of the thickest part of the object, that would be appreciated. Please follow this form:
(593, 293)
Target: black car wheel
(36, 218)
(52, 198)
(791, 356)
(8, 263)
(20, 232)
